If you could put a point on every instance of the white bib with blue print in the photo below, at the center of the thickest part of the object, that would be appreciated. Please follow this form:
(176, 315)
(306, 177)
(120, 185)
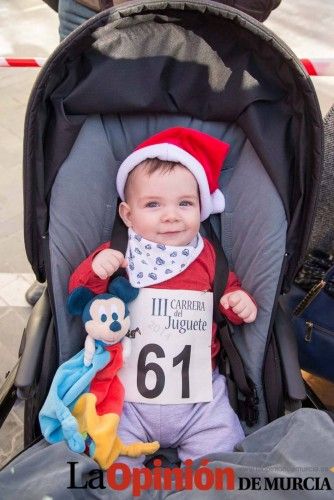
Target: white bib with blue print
(151, 263)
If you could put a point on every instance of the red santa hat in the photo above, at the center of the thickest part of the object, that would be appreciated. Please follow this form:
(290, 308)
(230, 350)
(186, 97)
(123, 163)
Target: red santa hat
(201, 153)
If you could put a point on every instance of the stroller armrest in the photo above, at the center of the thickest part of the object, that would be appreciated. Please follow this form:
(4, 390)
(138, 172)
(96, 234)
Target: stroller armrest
(32, 345)
(287, 346)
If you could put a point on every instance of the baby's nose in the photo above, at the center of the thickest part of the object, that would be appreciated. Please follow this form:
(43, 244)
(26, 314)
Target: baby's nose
(171, 215)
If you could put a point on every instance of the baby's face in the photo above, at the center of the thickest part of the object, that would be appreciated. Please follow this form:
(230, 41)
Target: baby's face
(163, 207)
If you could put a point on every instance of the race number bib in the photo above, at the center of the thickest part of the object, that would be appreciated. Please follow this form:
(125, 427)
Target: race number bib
(171, 334)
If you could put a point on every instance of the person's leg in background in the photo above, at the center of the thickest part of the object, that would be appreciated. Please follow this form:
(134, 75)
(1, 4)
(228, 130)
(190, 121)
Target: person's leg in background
(71, 15)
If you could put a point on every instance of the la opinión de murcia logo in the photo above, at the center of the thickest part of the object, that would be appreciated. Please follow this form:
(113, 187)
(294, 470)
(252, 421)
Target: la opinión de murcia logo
(120, 477)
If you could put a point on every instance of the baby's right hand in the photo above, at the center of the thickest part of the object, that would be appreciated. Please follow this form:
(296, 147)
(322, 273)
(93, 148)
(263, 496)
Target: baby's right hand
(107, 262)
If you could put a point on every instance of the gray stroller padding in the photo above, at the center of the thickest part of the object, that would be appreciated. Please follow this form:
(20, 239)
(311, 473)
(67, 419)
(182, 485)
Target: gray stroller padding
(298, 445)
(83, 202)
(253, 237)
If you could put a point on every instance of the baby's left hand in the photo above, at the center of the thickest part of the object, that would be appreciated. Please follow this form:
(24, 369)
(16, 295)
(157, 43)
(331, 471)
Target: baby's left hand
(241, 304)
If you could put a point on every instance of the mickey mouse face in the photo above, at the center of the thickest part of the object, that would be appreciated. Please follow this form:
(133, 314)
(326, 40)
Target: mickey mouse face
(107, 321)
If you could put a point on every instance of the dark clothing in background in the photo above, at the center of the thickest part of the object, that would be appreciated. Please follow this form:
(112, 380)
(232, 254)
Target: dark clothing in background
(322, 235)
(259, 9)
(52, 3)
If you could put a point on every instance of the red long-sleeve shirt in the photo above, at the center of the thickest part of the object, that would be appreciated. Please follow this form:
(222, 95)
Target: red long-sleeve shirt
(199, 275)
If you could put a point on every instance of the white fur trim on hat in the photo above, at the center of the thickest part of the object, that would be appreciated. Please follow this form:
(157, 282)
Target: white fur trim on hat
(218, 202)
(210, 203)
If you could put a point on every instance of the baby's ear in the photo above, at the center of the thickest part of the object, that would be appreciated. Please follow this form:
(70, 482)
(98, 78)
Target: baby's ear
(78, 299)
(125, 213)
(122, 288)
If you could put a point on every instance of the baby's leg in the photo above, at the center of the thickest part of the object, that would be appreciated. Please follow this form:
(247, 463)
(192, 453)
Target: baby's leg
(135, 426)
(212, 427)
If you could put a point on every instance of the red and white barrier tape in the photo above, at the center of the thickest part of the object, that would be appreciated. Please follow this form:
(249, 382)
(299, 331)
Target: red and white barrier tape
(23, 62)
(319, 67)
(314, 67)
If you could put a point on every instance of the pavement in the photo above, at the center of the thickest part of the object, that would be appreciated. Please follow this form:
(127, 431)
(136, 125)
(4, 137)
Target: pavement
(29, 28)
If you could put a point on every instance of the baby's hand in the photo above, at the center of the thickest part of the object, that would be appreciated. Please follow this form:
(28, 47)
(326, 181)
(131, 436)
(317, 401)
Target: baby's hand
(241, 304)
(107, 262)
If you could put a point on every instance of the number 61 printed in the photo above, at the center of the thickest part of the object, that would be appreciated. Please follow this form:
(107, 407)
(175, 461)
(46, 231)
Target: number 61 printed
(143, 368)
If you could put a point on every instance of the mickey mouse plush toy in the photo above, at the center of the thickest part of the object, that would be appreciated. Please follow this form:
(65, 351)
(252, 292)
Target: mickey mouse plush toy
(105, 316)
(85, 401)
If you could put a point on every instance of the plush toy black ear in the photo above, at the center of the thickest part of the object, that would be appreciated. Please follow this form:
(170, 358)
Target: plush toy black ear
(122, 288)
(78, 299)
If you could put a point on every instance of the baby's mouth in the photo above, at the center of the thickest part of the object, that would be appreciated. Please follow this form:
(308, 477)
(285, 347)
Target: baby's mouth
(172, 231)
(169, 233)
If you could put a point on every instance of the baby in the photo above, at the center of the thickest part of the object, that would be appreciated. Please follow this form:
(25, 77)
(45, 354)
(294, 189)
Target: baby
(168, 185)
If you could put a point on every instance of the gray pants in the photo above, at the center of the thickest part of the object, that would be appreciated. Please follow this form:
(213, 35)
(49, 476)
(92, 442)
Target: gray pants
(194, 429)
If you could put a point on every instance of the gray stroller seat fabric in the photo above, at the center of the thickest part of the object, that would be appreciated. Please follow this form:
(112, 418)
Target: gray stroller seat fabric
(83, 203)
(281, 454)
(253, 230)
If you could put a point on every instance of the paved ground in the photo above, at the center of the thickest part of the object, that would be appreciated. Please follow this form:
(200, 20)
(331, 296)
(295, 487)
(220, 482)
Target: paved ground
(29, 28)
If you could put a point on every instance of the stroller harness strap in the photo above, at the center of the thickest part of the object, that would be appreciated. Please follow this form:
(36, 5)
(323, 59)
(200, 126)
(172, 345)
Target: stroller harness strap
(119, 238)
(248, 407)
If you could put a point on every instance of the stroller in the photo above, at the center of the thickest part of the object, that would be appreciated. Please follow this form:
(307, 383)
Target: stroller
(124, 75)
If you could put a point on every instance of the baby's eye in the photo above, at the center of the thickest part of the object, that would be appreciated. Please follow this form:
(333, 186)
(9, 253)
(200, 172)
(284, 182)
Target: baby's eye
(186, 203)
(152, 204)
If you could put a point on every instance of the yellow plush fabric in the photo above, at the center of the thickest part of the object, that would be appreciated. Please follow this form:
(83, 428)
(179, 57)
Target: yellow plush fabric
(103, 431)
